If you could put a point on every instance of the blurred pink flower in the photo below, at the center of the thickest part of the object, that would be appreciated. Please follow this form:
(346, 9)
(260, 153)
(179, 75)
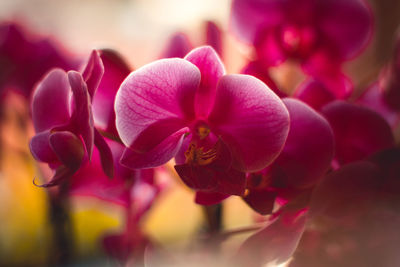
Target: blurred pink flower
(179, 44)
(25, 58)
(306, 30)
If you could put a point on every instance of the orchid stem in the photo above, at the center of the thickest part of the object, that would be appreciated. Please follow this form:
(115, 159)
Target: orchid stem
(61, 221)
(213, 215)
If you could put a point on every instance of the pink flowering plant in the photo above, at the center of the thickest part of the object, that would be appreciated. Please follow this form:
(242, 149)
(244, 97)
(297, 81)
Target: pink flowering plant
(315, 159)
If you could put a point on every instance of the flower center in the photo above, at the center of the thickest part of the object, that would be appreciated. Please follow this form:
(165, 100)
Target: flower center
(297, 39)
(197, 156)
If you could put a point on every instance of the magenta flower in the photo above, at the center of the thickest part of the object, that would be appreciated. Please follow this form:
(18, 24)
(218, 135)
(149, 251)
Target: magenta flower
(221, 125)
(63, 120)
(303, 29)
(24, 59)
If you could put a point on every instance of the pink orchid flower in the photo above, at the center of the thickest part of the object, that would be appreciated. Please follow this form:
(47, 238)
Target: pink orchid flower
(63, 120)
(218, 126)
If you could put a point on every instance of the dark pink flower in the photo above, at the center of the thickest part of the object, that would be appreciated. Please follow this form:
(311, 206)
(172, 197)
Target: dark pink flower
(223, 124)
(25, 58)
(63, 120)
(304, 160)
(302, 29)
(60, 125)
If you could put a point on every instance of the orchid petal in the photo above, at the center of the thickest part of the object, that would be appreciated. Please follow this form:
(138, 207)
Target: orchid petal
(213, 37)
(250, 119)
(249, 17)
(269, 48)
(62, 173)
(115, 71)
(40, 148)
(197, 177)
(308, 150)
(93, 72)
(346, 192)
(276, 242)
(211, 180)
(50, 103)
(218, 176)
(163, 90)
(327, 71)
(157, 156)
(261, 200)
(211, 69)
(68, 149)
(82, 116)
(260, 71)
(105, 154)
(314, 93)
(346, 24)
(178, 46)
(358, 131)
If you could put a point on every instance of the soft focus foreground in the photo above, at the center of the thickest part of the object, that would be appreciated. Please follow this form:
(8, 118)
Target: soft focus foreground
(193, 133)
